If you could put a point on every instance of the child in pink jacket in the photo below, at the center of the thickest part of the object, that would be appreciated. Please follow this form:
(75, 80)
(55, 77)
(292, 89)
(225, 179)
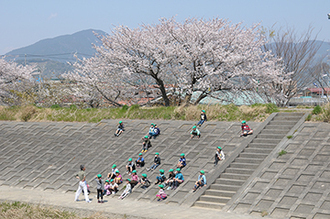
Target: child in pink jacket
(161, 195)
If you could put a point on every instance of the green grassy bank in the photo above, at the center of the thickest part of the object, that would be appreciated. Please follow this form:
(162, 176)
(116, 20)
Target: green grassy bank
(257, 112)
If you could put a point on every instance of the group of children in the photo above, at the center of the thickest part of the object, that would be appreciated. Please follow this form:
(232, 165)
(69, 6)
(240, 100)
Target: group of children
(174, 179)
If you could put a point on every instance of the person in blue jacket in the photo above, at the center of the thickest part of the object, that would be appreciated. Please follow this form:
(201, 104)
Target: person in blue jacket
(140, 161)
(178, 179)
(182, 161)
(201, 181)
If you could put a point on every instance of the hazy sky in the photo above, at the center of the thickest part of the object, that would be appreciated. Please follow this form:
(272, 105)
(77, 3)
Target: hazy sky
(24, 22)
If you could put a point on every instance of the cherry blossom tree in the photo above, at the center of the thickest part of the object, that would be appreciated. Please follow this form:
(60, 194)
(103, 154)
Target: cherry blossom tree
(215, 55)
(16, 83)
(195, 55)
(298, 54)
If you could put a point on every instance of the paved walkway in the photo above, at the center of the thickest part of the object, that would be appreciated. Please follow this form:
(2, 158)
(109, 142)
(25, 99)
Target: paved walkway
(126, 208)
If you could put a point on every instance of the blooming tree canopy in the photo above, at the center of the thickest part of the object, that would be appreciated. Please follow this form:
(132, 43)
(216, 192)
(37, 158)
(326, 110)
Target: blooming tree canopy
(14, 80)
(194, 55)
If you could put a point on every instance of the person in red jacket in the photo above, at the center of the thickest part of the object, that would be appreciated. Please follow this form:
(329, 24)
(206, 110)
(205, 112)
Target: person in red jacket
(246, 130)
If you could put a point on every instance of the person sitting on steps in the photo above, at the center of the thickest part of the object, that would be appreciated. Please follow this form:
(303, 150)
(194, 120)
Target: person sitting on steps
(246, 130)
(156, 162)
(161, 178)
(151, 130)
(195, 132)
(155, 133)
(140, 161)
(130, 166)
(169, 181)
(112, 175)
(145, 183)
(178, 179)
(201, 181)
(203, 118)
(120, 128)
(182, 161)
(219, 155)
(146, 144)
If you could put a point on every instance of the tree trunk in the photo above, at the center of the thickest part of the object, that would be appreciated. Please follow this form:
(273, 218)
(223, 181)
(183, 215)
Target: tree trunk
(200, 98)
(108, 99)
(163, 91)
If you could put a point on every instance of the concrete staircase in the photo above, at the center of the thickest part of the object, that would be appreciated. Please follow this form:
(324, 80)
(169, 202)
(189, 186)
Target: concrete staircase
(236, 174)
(46, 155)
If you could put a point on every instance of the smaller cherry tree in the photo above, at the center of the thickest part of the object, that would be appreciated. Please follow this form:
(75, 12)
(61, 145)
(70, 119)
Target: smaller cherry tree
(16, 83)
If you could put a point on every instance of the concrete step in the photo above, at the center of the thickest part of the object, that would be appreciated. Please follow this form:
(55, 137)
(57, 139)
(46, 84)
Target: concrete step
(261, 145)
(248, 160)
(283, 122)
(274, 132)
(287, 118)
(222, 193)
(258, 150)
(271, 136)
(214, 199)
(266, 141)
(212, 205)
(250, 166)
(235, 176)
(239, 170)
(253, 155)
(290, 114)
(278, 127)
(234, 182)
(220, 187)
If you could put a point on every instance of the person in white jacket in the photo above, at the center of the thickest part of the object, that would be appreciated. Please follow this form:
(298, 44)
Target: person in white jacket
(127, 190)
(82, 184)
(219, 155)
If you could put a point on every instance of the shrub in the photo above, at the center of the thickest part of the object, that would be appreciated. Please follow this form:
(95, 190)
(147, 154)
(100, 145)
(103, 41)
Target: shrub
(282, 152)
(289, 136)
(309, 117)
(72, 106)
(271, 108)
(135, 107)
(326, 113)
(55, 106)
(317, 110)
(124, 108)
(28, 112)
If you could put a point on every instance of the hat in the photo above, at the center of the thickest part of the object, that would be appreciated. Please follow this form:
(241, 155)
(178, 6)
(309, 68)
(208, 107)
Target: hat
(146, 136)
(203, 111)
(114, 166)
(134, 171)
(194, 127)
(111, 180)
(120, 122)
(243, 122)
(156, 153)
(182, 155)
(171, 170)
(140, 154)
(152, 124)
(161, 186)
(219, 148)
(128, 180)
(178, 169)
(82, 167)
(202, 171)
(99, 175)
(117, 171)
(130, 159)
(161, 171)
(107, 180)
(144, 175)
